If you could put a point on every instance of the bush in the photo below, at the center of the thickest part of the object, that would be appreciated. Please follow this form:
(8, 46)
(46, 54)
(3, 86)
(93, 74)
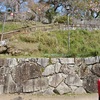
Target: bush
(28, 38)
(50, 13)
(83, 43)
(63, 19)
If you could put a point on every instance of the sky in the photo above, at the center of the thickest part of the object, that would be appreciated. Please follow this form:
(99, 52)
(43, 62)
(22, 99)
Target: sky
(36, 1)
(2, 7)
(24, 8)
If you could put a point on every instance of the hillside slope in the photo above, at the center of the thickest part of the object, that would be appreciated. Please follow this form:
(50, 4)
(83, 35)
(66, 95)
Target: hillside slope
(55, 44)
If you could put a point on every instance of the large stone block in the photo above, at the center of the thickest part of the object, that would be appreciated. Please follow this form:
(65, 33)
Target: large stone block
(2, 75)
(80, 90)
(67, 69)
(3, 62)
(90, 83)
(49, 91)
(62, 89)
(40, 84)
(57, 67)
(91, 60)
(26, 71)
(12, 62)
(33, 60)
(95, 69)
(28, 86)
(20, 60)
(56, 79)
(11, 85)
(43, 61)
(78, 61)
(54, 60)
(67, 60)
(1, 89)
(49, 70)
(73, 80)
(73, 88)
(77, 90)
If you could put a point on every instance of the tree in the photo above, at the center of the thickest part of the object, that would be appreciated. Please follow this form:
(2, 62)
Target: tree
(38, 9)
(78, 7)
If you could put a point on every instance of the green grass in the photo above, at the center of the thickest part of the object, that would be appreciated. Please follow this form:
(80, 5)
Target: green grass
(83, 43)
(9, 26)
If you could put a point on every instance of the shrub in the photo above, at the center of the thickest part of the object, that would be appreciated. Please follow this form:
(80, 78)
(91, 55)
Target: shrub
(82, 42)
(63, 19)
(28, 38)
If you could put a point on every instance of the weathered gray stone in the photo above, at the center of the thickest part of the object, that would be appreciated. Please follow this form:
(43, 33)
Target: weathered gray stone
(2, 75)
(97, 58)
(56, 79)
(20, 60)
(91, 60)
(77, 90)
(83, 70)
(66, 69)
(26, 71)
(26, 59)
(40, 84)
(2, 62)
(28, 86)
(49, 70)
(67, 60)
(73, 88)
(33, 60)
(89, 68)
(36, 84)
(73, 80)
(43, 61)
(54, 60)
(11, 85)
(1, 89)
(62, 89)
(49, 91)
(12, 62)
(95, 69)
(57, 67)
(78, 61)
(80, 90)
(64, 75)
(90, 83)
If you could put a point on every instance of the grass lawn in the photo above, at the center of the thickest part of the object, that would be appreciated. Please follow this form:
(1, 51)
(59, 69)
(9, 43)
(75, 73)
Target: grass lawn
(83, 43)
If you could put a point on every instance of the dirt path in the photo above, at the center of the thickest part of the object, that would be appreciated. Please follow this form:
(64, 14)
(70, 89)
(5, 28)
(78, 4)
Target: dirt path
(57, 97)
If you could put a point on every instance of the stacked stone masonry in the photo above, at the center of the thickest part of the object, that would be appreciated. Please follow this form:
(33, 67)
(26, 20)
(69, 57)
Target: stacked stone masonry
(49, 75)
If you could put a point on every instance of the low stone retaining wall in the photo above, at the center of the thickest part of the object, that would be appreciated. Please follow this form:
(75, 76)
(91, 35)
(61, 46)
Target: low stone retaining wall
(49, 75)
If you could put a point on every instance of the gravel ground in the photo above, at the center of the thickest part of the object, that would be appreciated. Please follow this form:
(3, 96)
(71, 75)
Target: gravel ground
(49, 97)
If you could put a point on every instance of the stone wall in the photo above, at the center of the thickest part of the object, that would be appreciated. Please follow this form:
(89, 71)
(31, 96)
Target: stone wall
(49, 75)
